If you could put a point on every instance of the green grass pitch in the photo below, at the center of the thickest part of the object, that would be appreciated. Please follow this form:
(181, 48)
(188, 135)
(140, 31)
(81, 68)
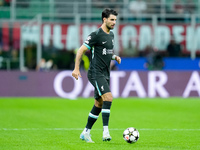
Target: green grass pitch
(56, 124)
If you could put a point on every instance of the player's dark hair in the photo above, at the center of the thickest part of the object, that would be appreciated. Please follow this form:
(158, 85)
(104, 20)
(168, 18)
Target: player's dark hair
(107, 12)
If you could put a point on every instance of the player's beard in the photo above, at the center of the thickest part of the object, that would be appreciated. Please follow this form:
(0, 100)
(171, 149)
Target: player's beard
(109, 27)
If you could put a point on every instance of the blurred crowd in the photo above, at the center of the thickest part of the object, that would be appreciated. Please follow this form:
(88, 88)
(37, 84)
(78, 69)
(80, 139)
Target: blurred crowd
(154, 56)
(58, 59)
(157, 6)
(5, 2)
(63, 59)
(136, 8)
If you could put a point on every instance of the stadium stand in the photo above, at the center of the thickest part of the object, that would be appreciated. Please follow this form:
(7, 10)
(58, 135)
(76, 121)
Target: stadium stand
(79, 12)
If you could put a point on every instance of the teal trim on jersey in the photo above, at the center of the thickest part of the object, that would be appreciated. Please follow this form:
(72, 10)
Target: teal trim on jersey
(87, 46)
(98, 88)
(92, 52)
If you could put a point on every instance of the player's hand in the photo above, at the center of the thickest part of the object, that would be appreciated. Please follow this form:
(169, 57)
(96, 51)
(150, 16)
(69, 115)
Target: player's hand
(76, 73)
(118, 59)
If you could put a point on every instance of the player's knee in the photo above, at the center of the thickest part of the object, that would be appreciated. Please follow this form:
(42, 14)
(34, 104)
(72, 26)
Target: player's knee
(99, 103)
(107, 97)
(110, 98)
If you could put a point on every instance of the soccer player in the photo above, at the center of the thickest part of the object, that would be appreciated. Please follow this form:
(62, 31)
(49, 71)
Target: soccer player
(100, 43)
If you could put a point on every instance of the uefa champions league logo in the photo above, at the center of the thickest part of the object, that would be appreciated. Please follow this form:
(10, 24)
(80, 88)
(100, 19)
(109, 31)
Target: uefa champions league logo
(87, 40)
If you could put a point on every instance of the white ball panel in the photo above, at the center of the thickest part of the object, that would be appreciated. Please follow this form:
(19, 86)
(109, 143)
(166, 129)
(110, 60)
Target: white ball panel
(126, 132)
(131, 129)
(132, 138)
(135, 133)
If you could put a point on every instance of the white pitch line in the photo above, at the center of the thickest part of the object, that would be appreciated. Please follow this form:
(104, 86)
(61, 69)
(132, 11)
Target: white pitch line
(72, 129)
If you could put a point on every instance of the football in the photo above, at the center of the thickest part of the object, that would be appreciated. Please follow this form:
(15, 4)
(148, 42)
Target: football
(131, 135)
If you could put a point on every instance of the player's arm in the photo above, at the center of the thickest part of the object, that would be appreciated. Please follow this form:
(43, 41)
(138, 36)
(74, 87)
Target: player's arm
(80, 52)
(117, 58)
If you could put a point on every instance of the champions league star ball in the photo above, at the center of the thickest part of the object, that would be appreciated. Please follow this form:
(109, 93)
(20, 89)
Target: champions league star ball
(131, 135)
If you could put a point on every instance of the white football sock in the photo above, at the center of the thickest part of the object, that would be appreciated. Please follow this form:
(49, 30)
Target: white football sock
(105, 129)
(86, 130)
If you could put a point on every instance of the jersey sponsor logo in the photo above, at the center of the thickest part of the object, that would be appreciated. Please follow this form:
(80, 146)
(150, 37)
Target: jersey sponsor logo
(107, 51)
(104, 42)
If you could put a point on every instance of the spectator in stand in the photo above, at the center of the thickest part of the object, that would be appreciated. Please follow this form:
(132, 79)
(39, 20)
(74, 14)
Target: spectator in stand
(178, 7)
(98, 4)
(190, 7)
(25, 4)
(45, 65)
(41, 66)
(49, 51)
(1, 49)
(1, 43)
(174, 49)
(157, 5)
(7, 2)
(137, 7)
(115, 4)
(130, 50)
(154, 60)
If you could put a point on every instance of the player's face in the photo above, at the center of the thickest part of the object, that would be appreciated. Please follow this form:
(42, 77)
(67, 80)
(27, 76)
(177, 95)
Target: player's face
(111, 21)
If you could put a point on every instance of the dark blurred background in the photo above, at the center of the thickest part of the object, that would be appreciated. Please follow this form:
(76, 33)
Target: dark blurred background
(44, 35)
